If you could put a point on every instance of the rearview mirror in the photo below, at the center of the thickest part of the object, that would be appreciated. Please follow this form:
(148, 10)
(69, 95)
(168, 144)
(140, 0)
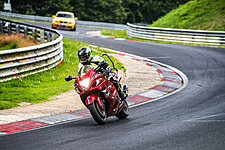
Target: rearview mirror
(75, 18)
(53, 16)
(68, 78)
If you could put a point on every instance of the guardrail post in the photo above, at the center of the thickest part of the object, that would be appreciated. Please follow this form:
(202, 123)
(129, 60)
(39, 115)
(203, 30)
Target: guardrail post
(42, 36)
(35, 33)
(25, 31)
(1, 27)
(53, 36)
(17, 29)
(48, 36)
(9, 29)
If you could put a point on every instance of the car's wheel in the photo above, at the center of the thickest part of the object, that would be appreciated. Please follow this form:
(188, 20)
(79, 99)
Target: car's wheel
(53, 27)
(99, 114)
(75, 28)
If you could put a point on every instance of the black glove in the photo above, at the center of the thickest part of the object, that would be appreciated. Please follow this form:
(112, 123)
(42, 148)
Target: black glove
(102, 63)
(107, 71)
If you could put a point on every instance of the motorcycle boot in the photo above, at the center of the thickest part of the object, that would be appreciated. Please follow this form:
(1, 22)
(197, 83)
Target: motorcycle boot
(125, 89)
(122, 95)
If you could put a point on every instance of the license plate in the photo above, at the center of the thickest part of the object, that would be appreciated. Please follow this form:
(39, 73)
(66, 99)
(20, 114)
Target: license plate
(63, 24)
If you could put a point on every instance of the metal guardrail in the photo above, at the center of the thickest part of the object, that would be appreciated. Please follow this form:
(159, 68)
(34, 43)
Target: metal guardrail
(140, 31)
(21, 62)
(49, 20)
(176, 35)
(101, 25)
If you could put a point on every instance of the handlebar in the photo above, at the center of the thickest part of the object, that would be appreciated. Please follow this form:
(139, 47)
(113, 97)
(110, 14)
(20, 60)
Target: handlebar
(111, 62)
(99, 66)
(69, 78)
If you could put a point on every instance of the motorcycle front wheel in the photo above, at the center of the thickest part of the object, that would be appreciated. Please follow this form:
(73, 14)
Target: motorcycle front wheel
(98, 114)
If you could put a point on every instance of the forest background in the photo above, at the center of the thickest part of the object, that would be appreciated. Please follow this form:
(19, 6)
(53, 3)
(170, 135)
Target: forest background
(111, 11)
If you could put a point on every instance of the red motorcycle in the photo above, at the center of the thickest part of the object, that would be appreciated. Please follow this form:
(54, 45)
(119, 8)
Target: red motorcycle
(99, 94)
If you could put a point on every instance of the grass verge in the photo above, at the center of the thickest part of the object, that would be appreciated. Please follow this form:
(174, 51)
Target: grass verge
(40, 87)
(195, 14)
(15, 41)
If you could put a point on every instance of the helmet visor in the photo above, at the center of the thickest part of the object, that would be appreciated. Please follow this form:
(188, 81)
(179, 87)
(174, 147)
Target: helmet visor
(83, 58)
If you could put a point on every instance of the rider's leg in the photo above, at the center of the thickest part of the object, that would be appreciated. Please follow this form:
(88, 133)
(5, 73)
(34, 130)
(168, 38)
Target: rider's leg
(118, 88)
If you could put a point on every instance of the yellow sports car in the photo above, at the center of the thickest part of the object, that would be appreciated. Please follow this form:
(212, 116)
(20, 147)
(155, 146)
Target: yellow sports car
(64, 19)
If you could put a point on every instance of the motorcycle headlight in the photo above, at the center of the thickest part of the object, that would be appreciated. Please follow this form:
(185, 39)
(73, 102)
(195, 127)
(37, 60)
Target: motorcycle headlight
(85, 83)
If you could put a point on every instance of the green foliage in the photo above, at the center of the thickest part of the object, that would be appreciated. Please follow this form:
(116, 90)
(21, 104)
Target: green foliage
(196, 14)
(115, 33)
(115, 11)
(64, 5)
(2, 5)
(40, 87)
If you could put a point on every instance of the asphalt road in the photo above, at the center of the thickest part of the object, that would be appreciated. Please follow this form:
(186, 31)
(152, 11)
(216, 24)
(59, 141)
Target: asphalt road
(192, 119)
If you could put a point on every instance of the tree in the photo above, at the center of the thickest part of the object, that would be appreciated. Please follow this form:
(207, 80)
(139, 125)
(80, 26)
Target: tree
(115, 11)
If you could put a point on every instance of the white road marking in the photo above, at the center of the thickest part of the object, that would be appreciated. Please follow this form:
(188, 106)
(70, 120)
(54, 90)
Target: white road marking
(158, 57)
(207, 118)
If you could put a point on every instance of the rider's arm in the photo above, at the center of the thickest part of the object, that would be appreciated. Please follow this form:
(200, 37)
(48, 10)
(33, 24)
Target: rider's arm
(79, 66)
(104, 64)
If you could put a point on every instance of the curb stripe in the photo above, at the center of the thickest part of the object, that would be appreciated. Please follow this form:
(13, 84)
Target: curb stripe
(174, 80)
(135, 59)
(1, 133)
(121, 54)
(136, 98)
(81, 112)
(152, 93)
(21, 126)
(164, 88)
(159, 72)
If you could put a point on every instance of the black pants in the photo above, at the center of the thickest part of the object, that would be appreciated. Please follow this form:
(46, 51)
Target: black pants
(118, 88)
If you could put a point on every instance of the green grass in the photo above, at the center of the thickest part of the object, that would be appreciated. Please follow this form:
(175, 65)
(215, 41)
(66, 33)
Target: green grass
(115, 33)
(10, 45)
(196, 14)
(42, 86)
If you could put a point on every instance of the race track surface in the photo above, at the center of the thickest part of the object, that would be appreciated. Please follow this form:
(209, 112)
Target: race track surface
(191, 119)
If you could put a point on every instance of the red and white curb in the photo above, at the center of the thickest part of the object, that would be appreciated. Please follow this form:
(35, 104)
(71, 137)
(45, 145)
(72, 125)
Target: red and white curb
(171, 80)
(97, 34)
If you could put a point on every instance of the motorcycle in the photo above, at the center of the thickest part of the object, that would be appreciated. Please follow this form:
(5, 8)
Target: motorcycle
(99, 94)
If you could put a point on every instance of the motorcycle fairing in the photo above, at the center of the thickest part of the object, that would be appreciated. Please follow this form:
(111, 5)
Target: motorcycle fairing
(96, 91)
(91, 98)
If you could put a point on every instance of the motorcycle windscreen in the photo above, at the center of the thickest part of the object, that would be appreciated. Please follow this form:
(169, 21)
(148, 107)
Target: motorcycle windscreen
(85, 69)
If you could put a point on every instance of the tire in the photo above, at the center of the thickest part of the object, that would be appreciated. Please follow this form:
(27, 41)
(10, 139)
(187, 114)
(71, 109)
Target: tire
(98, 114)
(75, 28)
(53, 27)
(124, 111)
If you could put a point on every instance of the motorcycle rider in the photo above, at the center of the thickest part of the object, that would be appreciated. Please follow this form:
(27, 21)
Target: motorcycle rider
(86, 58)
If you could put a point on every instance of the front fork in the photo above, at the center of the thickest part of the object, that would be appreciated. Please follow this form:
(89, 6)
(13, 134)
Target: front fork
(91, 98)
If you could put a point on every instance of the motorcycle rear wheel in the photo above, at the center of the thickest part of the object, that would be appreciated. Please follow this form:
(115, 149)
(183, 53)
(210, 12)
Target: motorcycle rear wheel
(124, 111)
(98, 114)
